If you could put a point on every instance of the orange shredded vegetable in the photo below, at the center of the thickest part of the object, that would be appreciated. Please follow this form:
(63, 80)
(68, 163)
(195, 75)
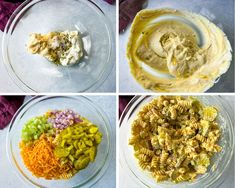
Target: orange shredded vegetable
(40, 160)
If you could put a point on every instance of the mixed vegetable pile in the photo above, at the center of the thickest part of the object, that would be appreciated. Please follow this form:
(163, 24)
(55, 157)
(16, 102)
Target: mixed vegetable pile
(59, 144)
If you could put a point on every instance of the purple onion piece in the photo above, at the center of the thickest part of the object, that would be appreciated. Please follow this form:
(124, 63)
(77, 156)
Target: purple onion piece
(61, 119)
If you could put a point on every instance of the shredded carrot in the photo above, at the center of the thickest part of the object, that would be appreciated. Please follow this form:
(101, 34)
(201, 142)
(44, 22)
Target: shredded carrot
(40, 160)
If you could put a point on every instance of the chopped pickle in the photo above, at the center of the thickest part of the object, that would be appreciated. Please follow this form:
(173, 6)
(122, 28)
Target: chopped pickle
(82, 163)
(61, 152)
(80, 142)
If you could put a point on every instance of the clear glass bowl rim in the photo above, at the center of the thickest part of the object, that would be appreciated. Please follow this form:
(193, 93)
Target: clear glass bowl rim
(136, 101)
(10, 27)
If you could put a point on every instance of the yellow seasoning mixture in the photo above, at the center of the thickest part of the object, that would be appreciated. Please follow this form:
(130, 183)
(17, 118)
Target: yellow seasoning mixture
(176, 51)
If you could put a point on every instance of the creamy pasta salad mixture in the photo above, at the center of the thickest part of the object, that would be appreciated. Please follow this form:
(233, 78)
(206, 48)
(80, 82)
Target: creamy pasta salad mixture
(175, 138)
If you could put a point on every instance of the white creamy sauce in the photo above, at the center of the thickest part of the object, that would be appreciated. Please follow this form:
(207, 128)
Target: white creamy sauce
(73, 54)
(55, 43)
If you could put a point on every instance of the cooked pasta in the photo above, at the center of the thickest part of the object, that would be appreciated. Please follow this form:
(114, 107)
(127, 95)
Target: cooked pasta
(154, 162)
(174, 138)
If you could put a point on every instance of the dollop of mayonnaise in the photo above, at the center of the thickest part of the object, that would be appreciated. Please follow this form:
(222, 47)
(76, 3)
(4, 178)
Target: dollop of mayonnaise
(65, 48)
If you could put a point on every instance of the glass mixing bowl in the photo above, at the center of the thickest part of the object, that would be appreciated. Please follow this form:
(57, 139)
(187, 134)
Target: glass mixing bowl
(219, 162)
(34, 73)
(214, 11)
(82, 105)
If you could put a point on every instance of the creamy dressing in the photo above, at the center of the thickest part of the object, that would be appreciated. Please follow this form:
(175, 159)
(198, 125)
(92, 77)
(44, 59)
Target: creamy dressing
(63, 48)
(75, 52)
(172, 47)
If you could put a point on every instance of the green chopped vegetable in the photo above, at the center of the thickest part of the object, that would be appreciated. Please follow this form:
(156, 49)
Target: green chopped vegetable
(36, 126)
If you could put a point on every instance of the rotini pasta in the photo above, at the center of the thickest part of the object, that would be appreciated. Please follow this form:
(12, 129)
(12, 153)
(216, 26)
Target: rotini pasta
(66, 175)
(143, 157)
(155, 162)
(143, 164)
(174, 138)
(146, 151)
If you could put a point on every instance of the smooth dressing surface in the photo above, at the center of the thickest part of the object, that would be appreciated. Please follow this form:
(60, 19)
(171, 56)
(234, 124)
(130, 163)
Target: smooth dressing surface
(176, 51)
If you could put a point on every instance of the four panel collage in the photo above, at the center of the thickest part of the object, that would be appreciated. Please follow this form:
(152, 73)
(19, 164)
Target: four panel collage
(117, 93)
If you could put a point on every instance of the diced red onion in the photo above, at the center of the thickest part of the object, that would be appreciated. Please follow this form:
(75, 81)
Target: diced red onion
(62, 119)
